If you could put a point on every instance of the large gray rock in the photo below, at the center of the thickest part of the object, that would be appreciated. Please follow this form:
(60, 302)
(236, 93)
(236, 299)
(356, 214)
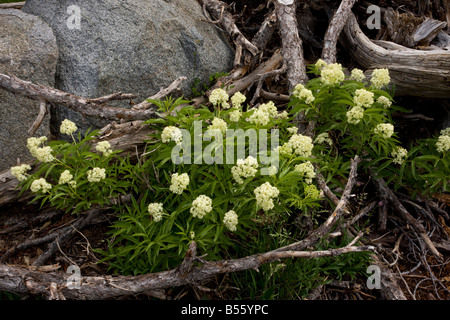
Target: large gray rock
(28, 50)
(132, 46)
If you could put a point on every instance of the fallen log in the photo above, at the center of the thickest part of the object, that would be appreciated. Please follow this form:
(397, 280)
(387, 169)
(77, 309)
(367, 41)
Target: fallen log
(58, 285)
(413, 72)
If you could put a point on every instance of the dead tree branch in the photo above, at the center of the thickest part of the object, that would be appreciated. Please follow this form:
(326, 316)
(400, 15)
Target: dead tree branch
(334, 30)
(85, 106)
(292, 46)
(23, 280)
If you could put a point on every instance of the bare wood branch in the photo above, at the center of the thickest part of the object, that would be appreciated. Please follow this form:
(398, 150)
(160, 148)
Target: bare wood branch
(334, 30)
(12, 5)
(40, 117)
(175, 85)
(23, 280)
(414, 72)
(111, 97)
(82, 105)
(292, 47)
(216, 9)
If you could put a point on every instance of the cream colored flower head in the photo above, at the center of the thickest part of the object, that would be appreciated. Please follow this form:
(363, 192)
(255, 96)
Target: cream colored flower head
(244, 168)
(40, 185)
(156, 211)
(68, 127)
(399, 154)
(306, 169)
(235, 115)
(20, 171)
(320, 64)
(42, 154)
(357, 75)
(179, 183)
(332, 74)
(323, 138)
(67, 178)
(230, 220)
(384, 101)
(219, 97)
(363, 98)
(265, 194)
(238, 99)
(386, 130)
(96, 174)
(443, 143)
(218, 124)
(380, 78)
(301, 145)
(355, 114)
(171, 133)
(201, 206)
(104, 147)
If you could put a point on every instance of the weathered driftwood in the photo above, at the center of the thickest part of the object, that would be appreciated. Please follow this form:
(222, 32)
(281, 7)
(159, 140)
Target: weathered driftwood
(225, 19)
(334, 30)
(57, 285)
(414, 72)
(291, 43)
(411, 31)
(87, 107)
(12, 5)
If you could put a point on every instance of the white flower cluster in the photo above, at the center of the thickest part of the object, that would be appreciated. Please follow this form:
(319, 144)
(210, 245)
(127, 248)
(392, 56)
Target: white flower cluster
(244, 168)
(19, 171)
(67, 177)
(363, 98)
(302, 93)
(42, 154)
(219, 124)
(355, 114)
(380, 78)
(104, 147)
(332, 74)
(96, 174)
(443, 142)
(292, 130)
(399, 154)
(179, 183)
(238, 99)
(298, 144)
(235, 115)
(262, 115)
(357, 75)
(386, 130)
(323, 138)
(384, 101)
(306, 169)
(171, 133)
(219, 98)
(40, 184)
(320, 64)
(230, 220)
(156, 211)
(67, 127)
(445, 132)
(265, 194)
(201, 206)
